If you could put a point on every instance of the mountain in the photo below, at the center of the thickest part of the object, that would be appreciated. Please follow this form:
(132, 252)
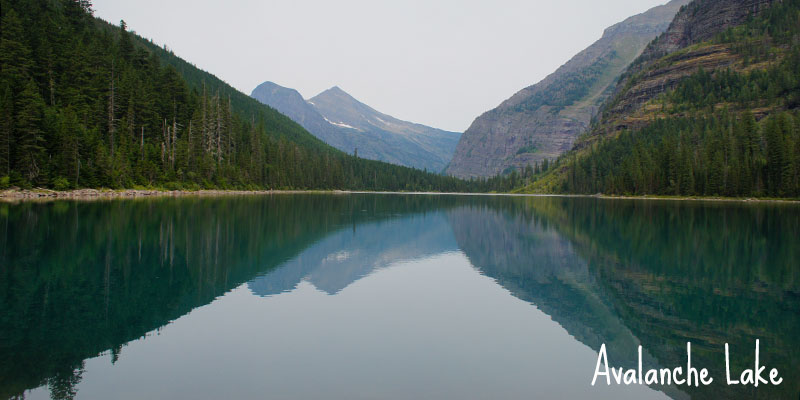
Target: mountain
(542, 121)
(347, 124)
(699, 22)
(84, 103)
(710, 108)
(289, 102)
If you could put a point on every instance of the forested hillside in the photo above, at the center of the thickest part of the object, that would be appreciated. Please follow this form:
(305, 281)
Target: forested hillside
(87, 104)
(715, 118)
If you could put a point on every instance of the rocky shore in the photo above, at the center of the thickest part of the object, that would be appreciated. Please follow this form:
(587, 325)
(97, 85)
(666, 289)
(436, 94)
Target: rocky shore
(99, 194)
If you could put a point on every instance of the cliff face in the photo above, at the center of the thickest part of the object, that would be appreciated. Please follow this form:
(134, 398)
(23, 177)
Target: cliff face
(701, 20)
(726, 62)
(676, 54)
(340, 120)
(542, 121)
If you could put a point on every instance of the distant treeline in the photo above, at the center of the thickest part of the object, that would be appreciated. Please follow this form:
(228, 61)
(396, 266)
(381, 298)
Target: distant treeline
(713, 156)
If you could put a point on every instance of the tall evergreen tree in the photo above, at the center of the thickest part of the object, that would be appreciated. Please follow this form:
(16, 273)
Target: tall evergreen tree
(15, 54)
(6, 128)
(29, 139)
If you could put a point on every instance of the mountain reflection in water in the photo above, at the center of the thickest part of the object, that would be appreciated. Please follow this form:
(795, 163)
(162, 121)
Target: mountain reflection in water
(83, 279)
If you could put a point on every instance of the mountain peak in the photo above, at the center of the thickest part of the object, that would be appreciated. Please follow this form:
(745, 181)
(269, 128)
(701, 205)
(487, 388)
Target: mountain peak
(342, 121)
(268, 84)
(334, 93)
(272, 86)
(268, 90)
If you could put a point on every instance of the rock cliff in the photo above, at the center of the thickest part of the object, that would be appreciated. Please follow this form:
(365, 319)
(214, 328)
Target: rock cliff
(676, 54)
(542, 121)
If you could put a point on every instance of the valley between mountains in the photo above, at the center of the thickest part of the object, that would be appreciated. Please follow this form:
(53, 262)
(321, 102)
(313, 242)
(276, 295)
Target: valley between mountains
(689, 98)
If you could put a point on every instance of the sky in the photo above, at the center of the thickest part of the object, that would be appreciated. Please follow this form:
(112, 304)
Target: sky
(440, 63)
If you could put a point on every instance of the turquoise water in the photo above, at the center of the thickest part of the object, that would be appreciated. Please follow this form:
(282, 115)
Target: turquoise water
(392, 296)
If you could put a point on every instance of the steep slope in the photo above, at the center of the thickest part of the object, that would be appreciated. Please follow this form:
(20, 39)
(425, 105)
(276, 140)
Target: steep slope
(653, 73)
(710, 108)
(347, 124)
(542, 121)
(87, 104)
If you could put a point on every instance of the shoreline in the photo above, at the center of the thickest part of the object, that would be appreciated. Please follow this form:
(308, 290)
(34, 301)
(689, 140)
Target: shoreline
(40, 194)
(603, 197)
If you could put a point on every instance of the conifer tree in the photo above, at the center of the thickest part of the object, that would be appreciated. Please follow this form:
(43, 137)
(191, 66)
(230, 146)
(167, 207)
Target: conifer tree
(29, 139)
(15, 54)
(6, 129)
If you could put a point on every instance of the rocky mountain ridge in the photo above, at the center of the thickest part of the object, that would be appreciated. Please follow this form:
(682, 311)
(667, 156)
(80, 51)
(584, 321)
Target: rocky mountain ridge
(542, 121)
(673, 56)
(349, 125)
(711, 108)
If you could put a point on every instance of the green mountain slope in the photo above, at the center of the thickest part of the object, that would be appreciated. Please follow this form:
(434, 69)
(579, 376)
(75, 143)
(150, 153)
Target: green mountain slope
(710, 108)
(87, 104)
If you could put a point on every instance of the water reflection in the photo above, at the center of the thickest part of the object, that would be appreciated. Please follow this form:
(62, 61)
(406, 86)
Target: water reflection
(78, 279)
(347, 255)
(653, 273)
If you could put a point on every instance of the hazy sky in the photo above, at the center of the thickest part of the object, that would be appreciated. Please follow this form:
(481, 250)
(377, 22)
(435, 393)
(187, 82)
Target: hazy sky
(436, 62)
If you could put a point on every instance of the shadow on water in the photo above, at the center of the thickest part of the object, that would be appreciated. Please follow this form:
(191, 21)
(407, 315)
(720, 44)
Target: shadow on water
(80, 279)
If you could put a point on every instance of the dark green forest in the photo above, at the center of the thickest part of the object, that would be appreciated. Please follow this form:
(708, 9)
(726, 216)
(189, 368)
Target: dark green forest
(722, 155)
(727, 132)
(87, 104)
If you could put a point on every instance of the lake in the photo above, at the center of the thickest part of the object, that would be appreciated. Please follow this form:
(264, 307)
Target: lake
(365, 296)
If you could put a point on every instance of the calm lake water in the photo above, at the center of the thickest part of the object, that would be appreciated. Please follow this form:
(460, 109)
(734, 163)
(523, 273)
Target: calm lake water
(392, 296)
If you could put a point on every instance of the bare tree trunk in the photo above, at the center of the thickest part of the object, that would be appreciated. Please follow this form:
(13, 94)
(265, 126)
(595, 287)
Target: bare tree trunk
(164, 143)
(218, 132)
(189, 152)
(231, 149)
(174, 140)
(204, 128)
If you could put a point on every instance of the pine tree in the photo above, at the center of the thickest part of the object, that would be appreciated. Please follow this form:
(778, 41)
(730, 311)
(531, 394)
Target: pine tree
(125, 44)
(68, 147)
(29, 131)
(786, 179)
(15, 55)
(686, 174)
(6, 129)
(775, 156)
